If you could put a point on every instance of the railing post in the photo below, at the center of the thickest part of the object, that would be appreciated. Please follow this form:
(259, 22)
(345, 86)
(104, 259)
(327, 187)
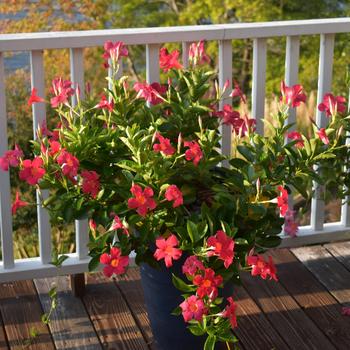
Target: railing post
(152, 63)
(258, 86)
(39, 118)
(185, 52)
(324, 85)
(5, 193)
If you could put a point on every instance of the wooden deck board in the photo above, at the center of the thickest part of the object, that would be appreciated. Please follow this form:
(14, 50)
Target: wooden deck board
(70, 324)
(3, 340)
(313, 297)
(341, 251)
(111, 316)
(21, 312)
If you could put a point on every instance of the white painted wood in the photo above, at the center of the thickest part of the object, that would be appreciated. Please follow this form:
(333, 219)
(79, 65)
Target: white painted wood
(152, 63)
(258, 84)
(5, 193)
(185, 51)
(139, 36)
(225, 73)
(77, 77)
(324, 85)
(39, 118)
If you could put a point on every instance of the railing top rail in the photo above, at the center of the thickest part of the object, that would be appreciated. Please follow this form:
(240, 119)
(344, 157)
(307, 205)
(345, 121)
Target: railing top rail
(158, 35)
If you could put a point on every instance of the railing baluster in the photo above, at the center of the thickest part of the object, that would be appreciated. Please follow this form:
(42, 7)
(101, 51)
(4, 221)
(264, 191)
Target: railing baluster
(5, 193)
(258, 85)
(77, 77)
(185, 51)
(324, 85)
(225, 73)
(152, 63)
(39, 118)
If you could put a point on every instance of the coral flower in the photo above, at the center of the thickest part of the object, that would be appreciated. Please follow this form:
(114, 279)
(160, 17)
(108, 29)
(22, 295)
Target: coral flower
(237, 92)
(261, 267)
(91, 183)
(194, 152)
(143, 200)
(230, 312)
(11, 158)
(222, 246)
(69, 164)
(282, 200)
(296, 136)
(18, 203)
(290, 225)
(167, 250)
(345, 311)
(292, 95)
(34, 98)
(164, 146)
(207, 284)
(332, 105)
(172, 193)
(55, 147)
(118, 225)
(228, 115)
(114, 51)
(152, 93)
(115, 262)
(62, 90)
(196, 53)
(192, 265)
(323, 136)
(104, 104)
(193, 308)
(32, 171)
(168, 60)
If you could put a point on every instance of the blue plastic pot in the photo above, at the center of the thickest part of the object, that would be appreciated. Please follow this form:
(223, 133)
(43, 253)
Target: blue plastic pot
(161, 299)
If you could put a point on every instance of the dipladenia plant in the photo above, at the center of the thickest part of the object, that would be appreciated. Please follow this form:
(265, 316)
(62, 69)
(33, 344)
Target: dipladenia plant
(143, 164)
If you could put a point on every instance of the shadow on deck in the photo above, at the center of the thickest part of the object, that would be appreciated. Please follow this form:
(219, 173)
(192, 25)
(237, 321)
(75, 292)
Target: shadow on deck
(301, 311)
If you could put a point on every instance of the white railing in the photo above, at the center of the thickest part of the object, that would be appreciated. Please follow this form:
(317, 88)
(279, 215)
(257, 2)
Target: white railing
(35, 43)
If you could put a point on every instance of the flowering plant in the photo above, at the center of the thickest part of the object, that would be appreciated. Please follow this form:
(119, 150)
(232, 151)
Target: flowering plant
(144, 165)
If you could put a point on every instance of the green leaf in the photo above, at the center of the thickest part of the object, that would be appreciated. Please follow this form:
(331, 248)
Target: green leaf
(94, 263)
(181, 285)
(196, 329)
(192, 231)
(177, 311)
(246, 153)
(210, 343)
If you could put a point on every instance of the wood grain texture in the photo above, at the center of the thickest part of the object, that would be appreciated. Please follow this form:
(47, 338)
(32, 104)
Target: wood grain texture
(77, 284)
(131, 288)
(70, 324)
(21, 312)
(3, 341)
(285, 315)
(313, 297)
(111, 316)
(341, 251)
(254, 330)
(330, 272)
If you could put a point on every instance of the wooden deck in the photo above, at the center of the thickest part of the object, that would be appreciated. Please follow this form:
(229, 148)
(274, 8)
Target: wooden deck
(302, 311)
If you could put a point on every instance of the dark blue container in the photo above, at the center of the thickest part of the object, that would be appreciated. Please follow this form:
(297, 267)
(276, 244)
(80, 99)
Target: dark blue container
(161, 299)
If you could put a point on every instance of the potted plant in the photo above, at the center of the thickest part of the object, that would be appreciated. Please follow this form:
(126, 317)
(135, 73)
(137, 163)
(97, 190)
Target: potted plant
(144, 165)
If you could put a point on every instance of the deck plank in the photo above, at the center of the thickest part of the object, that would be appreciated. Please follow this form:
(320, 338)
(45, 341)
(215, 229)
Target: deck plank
(3, 341)
(297, 330)
(341, 251)
(70, 324)
(131, 288)
(313, 297)
(111, 316)
(21, 312)
(254, 330)
(330, 272)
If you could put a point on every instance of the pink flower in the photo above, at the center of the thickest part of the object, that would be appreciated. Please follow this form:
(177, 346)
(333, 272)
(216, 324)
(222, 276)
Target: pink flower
(230, 312)
(323, 136)
(290, 225)
(62, 89)
(296, 136)
(192, 265)
(292, 95)
(115, 262)
(114, 51)
(69, 164)
(228, 115)
(118, 225)
(167, 250)
(345, 311)
(207, 284)
(282, 200)
(34, 98)
(193, 308)
(18, 203)
(143, 200)
(32, 171)
(332, 105)
(168, 60)
(222, 246)
(197, 53)
(237, 92)
(164, 146)
(104, 104)
(194, 152)
(152, 93)
(261, 267)
(91, 183)
(172, 193)
(11, 158)
(92, 225)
